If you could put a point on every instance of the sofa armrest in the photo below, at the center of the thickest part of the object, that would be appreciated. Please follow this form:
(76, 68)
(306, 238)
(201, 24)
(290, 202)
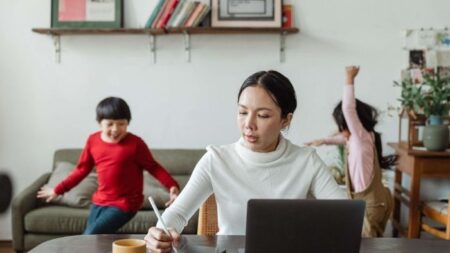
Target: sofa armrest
(21, 205)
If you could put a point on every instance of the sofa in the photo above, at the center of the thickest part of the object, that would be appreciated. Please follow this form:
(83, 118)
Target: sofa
(34, 221)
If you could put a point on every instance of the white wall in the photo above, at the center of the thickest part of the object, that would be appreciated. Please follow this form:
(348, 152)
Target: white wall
(45, 106)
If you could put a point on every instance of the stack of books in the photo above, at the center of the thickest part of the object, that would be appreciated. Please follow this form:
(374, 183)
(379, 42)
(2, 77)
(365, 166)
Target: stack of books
(177, 13)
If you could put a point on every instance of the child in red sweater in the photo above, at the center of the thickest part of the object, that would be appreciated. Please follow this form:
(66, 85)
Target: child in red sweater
(120, 158)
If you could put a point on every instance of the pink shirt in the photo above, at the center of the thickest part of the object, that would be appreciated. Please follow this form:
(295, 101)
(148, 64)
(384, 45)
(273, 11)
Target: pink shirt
(360, 143)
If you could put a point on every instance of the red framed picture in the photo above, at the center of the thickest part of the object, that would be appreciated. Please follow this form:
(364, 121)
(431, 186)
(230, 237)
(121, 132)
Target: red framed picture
(87, 13)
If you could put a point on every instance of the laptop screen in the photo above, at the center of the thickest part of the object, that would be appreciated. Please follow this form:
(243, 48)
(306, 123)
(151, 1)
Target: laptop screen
(298, 225)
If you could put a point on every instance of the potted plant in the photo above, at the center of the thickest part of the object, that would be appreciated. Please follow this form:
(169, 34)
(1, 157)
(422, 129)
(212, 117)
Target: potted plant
(431, 97)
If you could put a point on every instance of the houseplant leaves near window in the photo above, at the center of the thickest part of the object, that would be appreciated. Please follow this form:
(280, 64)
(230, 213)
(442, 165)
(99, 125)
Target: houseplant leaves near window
(431, 97)
(436, 104)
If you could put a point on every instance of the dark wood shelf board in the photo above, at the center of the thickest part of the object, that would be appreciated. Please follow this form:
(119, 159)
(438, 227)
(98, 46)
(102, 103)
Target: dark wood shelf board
(99, 31)
(231, 30)
(189, 30)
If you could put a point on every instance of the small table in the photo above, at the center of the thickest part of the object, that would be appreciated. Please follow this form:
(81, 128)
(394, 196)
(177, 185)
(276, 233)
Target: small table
(103, 244)
(417, 164)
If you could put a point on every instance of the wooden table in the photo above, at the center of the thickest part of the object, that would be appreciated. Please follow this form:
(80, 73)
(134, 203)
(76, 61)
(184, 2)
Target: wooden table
(103, 244)
(417, 165)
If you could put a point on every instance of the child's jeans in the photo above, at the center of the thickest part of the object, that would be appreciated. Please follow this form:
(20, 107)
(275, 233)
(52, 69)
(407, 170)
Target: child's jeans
(106, 219)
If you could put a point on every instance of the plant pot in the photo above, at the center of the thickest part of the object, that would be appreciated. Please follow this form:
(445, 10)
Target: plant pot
(435, 120)
(435, 137)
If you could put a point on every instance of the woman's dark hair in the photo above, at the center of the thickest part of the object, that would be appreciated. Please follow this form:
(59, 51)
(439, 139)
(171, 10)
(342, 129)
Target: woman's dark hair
(113, 108)
(368, 115)
(277, 85)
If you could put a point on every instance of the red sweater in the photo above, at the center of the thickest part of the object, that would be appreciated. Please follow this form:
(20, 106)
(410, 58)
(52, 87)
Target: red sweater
(119, 170)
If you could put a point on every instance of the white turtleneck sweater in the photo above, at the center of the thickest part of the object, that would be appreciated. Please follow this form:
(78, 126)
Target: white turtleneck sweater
(236, 174)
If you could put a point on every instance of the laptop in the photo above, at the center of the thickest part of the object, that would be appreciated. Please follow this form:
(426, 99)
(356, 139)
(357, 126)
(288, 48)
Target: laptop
(295, 225)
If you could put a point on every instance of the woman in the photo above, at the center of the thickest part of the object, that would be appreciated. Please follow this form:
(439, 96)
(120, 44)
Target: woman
(261, 164)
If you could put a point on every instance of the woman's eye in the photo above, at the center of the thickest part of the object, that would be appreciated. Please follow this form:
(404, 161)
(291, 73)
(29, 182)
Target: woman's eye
(242, 113)
(264, 116)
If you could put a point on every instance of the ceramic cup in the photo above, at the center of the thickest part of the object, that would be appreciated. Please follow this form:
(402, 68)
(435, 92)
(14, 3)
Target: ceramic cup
(129, 246)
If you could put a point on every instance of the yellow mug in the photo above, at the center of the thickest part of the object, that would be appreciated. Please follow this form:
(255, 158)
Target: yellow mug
(129, 246)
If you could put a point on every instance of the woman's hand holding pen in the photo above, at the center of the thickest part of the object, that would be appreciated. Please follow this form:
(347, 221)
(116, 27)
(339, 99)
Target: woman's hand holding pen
(158, 241)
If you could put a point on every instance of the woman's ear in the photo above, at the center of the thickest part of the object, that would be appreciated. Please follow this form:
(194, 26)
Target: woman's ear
(287, 120)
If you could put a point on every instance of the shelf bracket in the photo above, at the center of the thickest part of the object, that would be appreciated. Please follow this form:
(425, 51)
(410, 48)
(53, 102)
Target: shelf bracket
(153, 47)
(57, 45)
(187, 45)
(283, 46)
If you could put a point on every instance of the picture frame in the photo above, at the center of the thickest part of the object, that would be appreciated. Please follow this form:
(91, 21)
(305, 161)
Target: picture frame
(246, 13)
(86, 13)
(417, 59)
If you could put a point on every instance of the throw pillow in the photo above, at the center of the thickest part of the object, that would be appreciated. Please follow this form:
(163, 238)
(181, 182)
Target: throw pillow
(79, 196)
(159, 193)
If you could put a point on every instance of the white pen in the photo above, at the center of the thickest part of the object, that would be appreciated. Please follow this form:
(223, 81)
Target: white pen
(158, 215)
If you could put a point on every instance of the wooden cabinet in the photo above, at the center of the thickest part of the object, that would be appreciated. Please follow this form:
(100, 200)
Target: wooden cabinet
(416, 164)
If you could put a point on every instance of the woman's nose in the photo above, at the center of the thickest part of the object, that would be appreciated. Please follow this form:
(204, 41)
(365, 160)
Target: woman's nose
(250, 123)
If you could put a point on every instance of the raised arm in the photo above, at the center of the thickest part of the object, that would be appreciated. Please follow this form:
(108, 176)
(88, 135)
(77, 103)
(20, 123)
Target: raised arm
(349, 103)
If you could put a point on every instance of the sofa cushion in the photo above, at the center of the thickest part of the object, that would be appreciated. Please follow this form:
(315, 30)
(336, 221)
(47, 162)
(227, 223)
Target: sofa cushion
(160, 194)
(178, 161)
(153, 187)
(80, 195)
(67, 220)
(56, 220)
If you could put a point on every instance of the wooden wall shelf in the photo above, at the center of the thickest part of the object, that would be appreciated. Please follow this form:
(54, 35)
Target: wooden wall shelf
(56, 33)
(190, 30)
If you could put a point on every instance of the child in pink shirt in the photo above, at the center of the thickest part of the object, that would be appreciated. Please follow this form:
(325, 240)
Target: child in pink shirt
(356, 121)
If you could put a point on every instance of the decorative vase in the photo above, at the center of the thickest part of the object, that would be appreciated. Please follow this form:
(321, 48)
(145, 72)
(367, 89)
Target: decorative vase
(435, 134)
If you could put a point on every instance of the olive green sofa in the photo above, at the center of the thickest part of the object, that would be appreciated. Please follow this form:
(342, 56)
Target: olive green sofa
(34, 222)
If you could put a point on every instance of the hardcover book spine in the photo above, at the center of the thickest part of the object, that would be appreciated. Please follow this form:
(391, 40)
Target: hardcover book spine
(167, 13)
(194, 15)
(202, 16)
(154, 14)
(160, 12)
(175, 13)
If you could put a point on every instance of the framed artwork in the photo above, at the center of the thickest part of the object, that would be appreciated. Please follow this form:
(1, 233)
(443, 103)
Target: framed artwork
(246, 13)
(87, 14)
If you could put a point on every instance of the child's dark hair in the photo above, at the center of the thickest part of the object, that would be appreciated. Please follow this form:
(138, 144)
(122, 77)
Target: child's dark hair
(368, 115)
(277, 85)
(113, 108)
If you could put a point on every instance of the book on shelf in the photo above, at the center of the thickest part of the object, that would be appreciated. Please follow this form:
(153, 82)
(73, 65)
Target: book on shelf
(160, 12)
(175, 13)
(165, 16)
(287, 16)
(194, 15)
(202, 16)
(184, 13)
(154, 14)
